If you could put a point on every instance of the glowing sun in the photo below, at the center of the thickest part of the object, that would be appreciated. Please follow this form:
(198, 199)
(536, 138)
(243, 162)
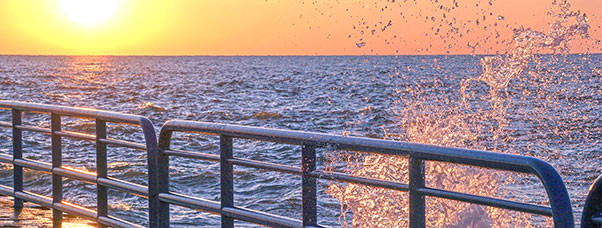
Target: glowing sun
(89, 12)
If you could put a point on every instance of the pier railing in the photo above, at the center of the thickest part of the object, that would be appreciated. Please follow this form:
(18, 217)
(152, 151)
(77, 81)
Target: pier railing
(560, 207)
(160, 197)
(58, 171)
(592, 210)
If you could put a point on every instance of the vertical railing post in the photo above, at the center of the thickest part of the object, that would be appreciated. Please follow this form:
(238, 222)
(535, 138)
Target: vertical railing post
(101, 169)
(227, 178)
(308, 164)
(17, 154)
(163, 177)
(57, 181)
(417, 204)
(152, 151)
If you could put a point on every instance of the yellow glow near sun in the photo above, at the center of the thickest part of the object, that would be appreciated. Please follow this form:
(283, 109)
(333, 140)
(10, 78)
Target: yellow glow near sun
(89, 12)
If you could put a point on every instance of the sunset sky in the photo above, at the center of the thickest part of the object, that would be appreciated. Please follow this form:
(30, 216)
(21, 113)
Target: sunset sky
(274, 27)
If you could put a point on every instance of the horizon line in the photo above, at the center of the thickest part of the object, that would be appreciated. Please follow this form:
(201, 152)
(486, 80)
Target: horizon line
(284, 55)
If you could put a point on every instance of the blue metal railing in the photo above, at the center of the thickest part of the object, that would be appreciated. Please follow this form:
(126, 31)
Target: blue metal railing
(592, 210)
(160, 197)
(560, 209)
(100, 178)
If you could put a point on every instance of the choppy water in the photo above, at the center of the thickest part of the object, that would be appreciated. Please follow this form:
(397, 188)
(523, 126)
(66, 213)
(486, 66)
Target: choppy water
(555, 118)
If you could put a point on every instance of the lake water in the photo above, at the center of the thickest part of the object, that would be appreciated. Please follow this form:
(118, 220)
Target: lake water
(550, 109)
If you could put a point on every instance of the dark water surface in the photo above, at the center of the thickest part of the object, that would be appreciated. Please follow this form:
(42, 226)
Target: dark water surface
(341, 95)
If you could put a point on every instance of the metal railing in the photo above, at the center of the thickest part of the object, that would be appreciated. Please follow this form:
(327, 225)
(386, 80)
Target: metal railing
(592, 210)
(58, 171)
(160, 197)
(560, 207)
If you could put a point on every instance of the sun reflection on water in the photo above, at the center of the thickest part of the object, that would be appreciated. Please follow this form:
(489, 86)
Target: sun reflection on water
(36, 216)
(81, 76)
(88, 69)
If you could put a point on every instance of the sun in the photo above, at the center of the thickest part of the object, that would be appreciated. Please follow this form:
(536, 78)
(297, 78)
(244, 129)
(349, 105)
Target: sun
(89, 12)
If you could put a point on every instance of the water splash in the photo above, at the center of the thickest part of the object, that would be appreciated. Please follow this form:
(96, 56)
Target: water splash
(477, 118)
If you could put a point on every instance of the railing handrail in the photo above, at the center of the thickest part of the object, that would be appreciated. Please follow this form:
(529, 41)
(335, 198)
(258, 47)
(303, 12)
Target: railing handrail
(485, 159)
(73, 111)
(561, 210)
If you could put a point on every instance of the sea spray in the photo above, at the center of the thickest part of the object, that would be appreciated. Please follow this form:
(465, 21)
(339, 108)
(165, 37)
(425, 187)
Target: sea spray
(476, 118)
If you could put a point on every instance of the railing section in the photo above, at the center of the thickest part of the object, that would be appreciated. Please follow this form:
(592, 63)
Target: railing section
(592, 210)
(100, 178)
(159, 196)
(560, 208)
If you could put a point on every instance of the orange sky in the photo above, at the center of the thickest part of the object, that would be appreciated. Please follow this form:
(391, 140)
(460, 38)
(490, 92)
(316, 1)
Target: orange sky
(279, 27)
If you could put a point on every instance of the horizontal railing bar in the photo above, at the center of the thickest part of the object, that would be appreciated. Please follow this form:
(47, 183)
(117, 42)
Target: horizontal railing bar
(508, 162)
(190, 154)
(5, 124)
(7, 191)
(72, 111)
(6, 158)
(27, 163)
(123, 143)
(260, 217)
(135, 189)
(71, 134)
(75, 174)
(138, 190)
(487, 201)
(77, 135)
(91, 137)
(34, 198)
(190, 202)
(236, 212)
(116, 222)
(597, 220)
(266, 165)
(359, 180)
(33, 128)
(75, 210)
